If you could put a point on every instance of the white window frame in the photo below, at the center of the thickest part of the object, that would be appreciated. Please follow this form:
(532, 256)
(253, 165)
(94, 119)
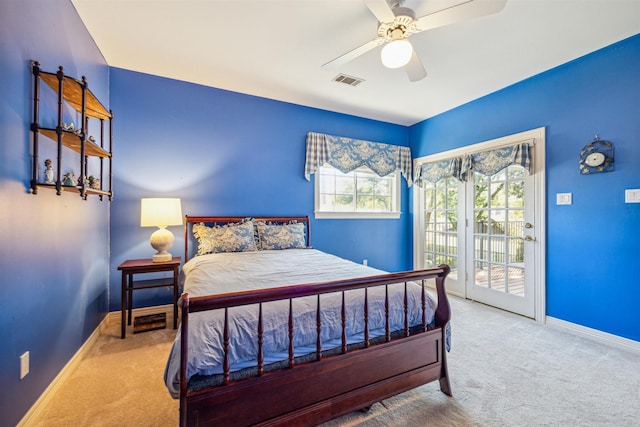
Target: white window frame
(395, 200)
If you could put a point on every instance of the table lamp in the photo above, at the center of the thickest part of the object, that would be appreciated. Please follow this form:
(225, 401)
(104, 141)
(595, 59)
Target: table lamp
(161, 213)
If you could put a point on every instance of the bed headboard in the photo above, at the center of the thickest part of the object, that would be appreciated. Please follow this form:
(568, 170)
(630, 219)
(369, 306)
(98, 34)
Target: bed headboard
(189, 240)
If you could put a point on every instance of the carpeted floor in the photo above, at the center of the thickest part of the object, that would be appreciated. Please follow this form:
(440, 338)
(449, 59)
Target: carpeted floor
(505, 370)
(118, 384)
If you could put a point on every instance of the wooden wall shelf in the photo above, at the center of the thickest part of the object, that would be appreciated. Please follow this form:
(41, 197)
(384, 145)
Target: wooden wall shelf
(75, 93)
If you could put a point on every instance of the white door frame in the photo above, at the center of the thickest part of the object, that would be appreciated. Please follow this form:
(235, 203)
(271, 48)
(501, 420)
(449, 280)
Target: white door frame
(539, 209)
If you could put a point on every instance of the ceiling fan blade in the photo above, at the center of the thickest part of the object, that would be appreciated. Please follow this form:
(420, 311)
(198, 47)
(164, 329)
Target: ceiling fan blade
(381, 10)
(353, 54)
(414, 68)
(461, 12)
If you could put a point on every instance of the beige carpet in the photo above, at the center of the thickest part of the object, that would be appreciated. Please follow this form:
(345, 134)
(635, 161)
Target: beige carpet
(496, 369)
(118, 384)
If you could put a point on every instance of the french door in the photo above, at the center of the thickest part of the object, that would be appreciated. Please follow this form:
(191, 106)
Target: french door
(501, 263)
(489, 230)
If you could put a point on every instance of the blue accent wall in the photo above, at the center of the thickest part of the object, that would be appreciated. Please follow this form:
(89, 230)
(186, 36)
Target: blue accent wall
(54, 249)
(228, 153)
(592, 245)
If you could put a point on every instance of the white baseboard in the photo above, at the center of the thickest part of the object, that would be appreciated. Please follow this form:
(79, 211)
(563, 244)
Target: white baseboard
(594, 334)
(34, 412)
(114, 316)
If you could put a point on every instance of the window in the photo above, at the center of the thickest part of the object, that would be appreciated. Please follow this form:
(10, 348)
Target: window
(357, 194)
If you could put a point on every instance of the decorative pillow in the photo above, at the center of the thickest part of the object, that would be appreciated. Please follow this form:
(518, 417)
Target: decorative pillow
(282, 236)
(233, 237)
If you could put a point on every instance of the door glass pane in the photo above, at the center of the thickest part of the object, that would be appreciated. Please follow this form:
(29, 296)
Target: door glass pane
(429, 260)
(429, 222)
(429, 238)
(452, 244)
(516, 194)
(500, 176)
(497, 221)
(429, 201)
(498, 279)
(516, 250)
(497, 247)
(481, 223)
(516, 280)
(498, 199)
(481, 247)
(441, 198)
(481, 273)
(481, 192)
(452, 198)
(515, 174)
(516, 223)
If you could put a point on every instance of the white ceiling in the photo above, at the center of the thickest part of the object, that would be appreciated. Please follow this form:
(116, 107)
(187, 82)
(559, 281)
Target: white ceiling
(274, 48)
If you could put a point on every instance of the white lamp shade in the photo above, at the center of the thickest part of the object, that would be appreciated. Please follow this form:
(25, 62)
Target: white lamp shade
(160, 212)
(396, 53)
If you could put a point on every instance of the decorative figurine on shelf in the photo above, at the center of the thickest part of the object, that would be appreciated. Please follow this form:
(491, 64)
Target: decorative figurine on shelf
(92, 139)
(93, 182)
(69, 179)
(48, 172)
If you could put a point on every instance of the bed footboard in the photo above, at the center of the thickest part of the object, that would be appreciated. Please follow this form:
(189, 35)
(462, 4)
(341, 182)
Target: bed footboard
(309, 394)
(328, 387)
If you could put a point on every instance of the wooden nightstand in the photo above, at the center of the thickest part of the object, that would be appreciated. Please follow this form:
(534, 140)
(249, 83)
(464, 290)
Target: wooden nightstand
(132, 267)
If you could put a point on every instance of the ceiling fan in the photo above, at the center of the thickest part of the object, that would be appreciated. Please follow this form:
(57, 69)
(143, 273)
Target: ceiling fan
(397, 23)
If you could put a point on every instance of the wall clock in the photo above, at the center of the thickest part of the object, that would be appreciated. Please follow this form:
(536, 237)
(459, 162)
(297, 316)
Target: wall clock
(596, 156)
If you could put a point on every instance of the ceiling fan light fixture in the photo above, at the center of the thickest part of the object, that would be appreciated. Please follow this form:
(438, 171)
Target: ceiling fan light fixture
(396, 53)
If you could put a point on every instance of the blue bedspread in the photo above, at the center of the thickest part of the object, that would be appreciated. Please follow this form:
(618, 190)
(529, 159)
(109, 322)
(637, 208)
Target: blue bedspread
(240, 271)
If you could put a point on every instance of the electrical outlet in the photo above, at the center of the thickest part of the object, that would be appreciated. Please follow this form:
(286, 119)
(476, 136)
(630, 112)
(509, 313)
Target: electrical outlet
(24, 364)
(365, 262)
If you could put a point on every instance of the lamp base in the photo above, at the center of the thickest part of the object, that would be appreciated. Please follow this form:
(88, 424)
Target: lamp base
(162, 257)
(161, 240)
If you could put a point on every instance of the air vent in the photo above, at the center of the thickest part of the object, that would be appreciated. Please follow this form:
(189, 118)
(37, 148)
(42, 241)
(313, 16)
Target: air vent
(348, 80)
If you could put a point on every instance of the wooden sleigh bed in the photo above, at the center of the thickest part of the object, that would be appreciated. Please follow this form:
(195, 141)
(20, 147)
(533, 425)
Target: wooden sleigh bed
(356, 371)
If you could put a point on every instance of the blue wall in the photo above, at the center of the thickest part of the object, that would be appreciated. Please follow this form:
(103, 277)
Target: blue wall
(592, 246)
(54, 249)
(227, 153)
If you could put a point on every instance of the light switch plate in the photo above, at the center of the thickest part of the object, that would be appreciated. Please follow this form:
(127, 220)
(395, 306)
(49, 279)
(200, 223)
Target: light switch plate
(632, 196)
(563, 199)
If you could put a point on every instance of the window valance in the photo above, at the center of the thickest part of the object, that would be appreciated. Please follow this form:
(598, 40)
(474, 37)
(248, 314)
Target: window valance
(487, 163)
(493, 161)
(435, 171)
(347, 154)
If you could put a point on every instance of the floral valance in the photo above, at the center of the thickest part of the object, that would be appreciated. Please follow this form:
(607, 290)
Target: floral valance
(435, 171)
(484, 162)
(347, 154)
(493, 161)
